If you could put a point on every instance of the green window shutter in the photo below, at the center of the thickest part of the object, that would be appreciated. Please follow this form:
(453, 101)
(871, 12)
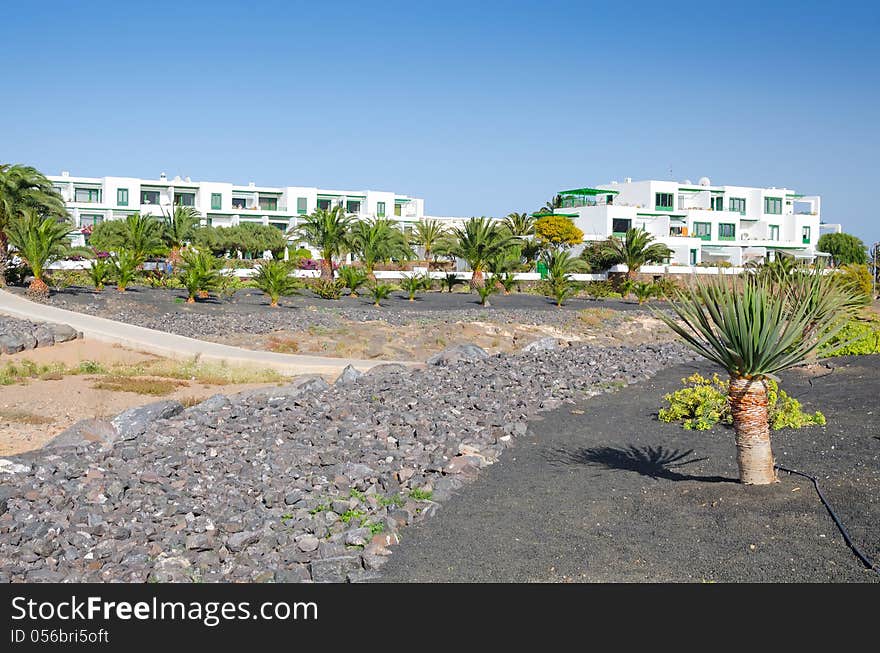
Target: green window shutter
(216, 201)
(302, 205)
(805, 235)
(773, 205)
(726, 231)
(380, 209)
(397, 209)
(122, 196)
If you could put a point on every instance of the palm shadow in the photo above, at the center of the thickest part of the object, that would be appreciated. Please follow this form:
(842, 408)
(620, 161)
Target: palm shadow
(654, 462)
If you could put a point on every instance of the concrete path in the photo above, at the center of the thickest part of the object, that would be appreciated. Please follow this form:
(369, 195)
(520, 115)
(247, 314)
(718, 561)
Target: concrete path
(175, 346)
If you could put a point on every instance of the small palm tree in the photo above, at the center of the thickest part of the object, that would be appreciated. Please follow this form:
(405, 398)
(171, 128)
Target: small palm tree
(125, 263)
(100, 272)
(273, 278)
(178, 229)
(143, 236)
(450, 281)
(520, 224)
(755, 328)
(479, 241)
(377, 241)
(560, 266)
(200, 273)
(414, 284)
(636, 249)
(39, 240)
(643, 291)
(327, 231)
(380, 291)
(429, 234)
(352, 277)
(485, 291)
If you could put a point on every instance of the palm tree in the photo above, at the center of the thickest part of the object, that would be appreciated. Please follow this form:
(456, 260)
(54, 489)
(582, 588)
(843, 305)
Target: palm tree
(551, 206)
(478, 241)
(273, 278)
(560, 266)
(200, 273)
(635, 250)
(24, 187)
(326, 230)
(39, 239)
(377, 241)
(143, 236)
(352, 277)
(520, 224)
(429, 234)
(500, 266)
(99, 272)
(754, 328)
(125, 264)
(179, 227)
(380, 291)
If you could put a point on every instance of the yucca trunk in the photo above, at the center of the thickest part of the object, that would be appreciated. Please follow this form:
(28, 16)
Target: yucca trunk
(38, 288)
(751, 424)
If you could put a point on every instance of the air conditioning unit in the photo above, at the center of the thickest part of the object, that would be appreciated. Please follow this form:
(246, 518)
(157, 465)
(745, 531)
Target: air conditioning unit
(744, 236)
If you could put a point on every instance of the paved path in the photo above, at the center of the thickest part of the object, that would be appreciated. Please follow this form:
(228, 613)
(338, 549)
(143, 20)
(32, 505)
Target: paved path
(175, 346)
(603, 492)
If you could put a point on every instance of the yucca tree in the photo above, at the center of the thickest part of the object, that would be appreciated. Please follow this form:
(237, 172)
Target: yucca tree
(429, 234)
(39, 240)
(273, 278)
(327, 231)
(479, 241)
(200, 273)
(755, 328)
(24, 187)
(377, 241)
(143, 236)
(520, 224)
(178, 229)
(636, 249)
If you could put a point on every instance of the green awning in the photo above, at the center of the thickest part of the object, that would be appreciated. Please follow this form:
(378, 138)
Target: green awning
(589, 192)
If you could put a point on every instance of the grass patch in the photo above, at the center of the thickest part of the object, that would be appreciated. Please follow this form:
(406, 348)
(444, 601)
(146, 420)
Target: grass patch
(282, 345)
(421, 495)
(22, 417)
(140, 385)
(593, 317)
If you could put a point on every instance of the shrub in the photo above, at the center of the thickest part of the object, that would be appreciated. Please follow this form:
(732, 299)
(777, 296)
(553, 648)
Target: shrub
(485, 291)
(857, 278)
(600, 289)
(643, 291)
(858, 337)
(273, 278)
(100, 273)
(702, 403)
(199, 274)
(125, 264)
(415, 283)
(508, 282)
(380, 291)
(326, 289)
(450, 281)
(352, 277)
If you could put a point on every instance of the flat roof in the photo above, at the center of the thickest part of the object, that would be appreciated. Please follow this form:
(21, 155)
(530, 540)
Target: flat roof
(589, 191)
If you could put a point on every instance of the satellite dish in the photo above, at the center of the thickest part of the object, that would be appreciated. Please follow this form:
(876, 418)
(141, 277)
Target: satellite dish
(705, 181)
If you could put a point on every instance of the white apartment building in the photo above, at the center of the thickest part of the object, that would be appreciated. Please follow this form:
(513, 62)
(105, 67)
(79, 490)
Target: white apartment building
(700, 223)
(91, 200)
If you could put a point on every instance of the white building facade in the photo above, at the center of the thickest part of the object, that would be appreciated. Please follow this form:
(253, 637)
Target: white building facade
(701, 223)
(91, 200)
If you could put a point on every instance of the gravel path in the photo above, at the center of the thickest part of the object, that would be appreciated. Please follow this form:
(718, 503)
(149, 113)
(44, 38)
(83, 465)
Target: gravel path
(610, 494)
(304, 482)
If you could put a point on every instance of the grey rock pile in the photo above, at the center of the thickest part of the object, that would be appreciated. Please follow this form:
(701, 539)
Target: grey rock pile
(18, 335)
(305, 482)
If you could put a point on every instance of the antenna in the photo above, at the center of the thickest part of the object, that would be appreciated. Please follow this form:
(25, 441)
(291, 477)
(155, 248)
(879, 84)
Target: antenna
(671, 178)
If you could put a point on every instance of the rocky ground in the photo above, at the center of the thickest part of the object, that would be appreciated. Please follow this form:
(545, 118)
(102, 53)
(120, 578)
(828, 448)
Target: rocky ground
(18, 335)
(298, 483)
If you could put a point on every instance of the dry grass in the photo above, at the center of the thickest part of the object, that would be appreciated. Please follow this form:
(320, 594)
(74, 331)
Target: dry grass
(140, 385)
(593, 317)
(283, 345)
(22, 417)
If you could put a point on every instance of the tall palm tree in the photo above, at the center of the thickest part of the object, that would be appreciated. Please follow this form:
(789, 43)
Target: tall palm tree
(39, 239)
(754, 328)
(143, 236)
(178, 229)
(327, 230)
(551, 206)
(377, 241)
(520, 224)
(429, 234)
(635, 250)
(24, 187)
(478, 241)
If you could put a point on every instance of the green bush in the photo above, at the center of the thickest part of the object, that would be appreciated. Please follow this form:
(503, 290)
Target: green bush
(859, 337)
(702, 403)
(326, 289)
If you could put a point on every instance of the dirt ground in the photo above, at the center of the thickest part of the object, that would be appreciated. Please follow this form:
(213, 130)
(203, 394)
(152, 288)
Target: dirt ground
(369, 340)
(34, 412)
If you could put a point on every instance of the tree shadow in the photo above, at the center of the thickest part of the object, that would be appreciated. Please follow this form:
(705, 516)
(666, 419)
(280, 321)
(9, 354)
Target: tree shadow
(654, 462)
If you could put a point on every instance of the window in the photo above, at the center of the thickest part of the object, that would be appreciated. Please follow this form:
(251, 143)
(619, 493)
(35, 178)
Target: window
(663, 201)
(90, 220)
(717, 203)
(773, 205)
(302, 205)
(774, 232)
(324, 204)
(92, 195)
(239, 203)
(216, 201)
(726, 231)
(398, 208)
(353, 206)
(149, 197)
(184, 199)
(738, 204)
(281, 226)
(122, 196)
(269, 203)
(693, 257)
(703, 230)
(805, 235)
(380, 209)
(620, 226)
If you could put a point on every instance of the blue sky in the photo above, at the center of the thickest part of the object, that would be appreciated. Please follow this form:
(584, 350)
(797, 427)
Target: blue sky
(480, 108)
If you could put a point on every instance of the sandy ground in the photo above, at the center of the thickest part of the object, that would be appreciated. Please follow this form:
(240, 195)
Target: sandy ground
(31, 414)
